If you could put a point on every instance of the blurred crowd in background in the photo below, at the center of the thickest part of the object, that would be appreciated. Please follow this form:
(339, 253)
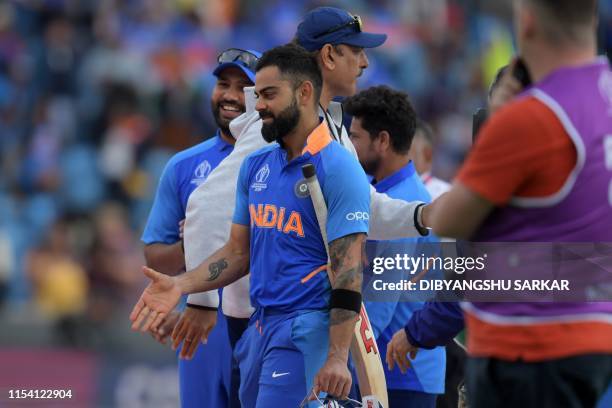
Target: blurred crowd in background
(96, 95)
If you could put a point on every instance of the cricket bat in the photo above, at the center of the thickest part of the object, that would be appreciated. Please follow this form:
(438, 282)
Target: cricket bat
(368, 364)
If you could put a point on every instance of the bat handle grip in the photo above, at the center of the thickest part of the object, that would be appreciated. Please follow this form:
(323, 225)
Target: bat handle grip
(308, 170)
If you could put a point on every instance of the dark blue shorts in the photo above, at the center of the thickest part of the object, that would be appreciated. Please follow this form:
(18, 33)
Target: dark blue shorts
(204, 380)
(279, 355)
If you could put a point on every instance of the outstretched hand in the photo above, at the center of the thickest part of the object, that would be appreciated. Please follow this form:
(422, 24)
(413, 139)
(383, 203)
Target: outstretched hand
(157, 300)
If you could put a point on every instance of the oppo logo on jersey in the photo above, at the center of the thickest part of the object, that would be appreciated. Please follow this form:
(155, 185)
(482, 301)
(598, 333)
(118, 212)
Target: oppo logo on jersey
(270, 216)
(358, 216)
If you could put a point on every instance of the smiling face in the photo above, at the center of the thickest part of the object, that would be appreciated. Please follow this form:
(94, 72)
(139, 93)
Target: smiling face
(276, 103)
(227, 99)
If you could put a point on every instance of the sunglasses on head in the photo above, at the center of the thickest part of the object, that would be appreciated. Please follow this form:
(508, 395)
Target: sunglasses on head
(237, 55)
(355, 24)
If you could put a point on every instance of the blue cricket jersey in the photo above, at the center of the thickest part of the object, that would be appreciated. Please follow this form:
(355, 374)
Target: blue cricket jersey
(184, 172)
(287, 250)
(427, 371)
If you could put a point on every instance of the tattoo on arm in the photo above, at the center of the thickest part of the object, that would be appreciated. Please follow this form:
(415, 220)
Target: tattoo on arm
(349, 279)
(216, 268)
(338, 250)
(347, 266)
(339, 316)
(346, 262)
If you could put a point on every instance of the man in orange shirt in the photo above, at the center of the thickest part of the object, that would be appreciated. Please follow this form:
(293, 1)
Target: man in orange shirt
(534, 166)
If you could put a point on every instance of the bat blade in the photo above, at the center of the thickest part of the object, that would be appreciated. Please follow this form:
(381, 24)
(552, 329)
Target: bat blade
(367, 360)
(366, 357)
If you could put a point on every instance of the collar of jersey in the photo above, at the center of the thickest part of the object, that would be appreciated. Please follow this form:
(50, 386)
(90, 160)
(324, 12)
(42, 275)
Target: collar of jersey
(317, 140)
(395, 178)
(221, 143)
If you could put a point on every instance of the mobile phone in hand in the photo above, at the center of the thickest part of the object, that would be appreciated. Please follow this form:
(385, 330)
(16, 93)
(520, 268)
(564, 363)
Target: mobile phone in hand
(519, 72)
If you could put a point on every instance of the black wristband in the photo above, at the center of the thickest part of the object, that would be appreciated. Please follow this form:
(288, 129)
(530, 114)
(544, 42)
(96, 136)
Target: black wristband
(345, 299)
(202, 307)
(420, 228)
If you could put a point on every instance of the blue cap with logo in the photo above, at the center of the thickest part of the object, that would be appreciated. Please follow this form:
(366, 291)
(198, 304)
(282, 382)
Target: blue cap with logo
(245, 60)
(330, 25)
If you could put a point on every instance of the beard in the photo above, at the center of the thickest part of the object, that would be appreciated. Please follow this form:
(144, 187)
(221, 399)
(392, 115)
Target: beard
(282, 124)
(371, 166)
(222, 123)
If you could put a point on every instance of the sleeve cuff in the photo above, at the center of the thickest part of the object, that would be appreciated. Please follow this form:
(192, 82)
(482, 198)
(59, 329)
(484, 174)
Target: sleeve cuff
(391, 218)
(417, 224)
(411, 339)
(414, 341)
(202, 307)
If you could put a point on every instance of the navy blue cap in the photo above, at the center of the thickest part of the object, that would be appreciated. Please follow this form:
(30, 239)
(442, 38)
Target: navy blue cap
(330, 25)
(245, 60)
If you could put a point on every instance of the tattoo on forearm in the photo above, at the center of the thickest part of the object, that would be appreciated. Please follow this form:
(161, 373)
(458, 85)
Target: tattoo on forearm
(339, 316)
(338, 250)
(349, 279)
(216, 268)
(346, 262)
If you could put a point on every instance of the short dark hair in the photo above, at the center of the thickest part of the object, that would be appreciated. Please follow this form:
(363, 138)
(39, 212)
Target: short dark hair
(295, 64)
(382, 108)
(567, 19)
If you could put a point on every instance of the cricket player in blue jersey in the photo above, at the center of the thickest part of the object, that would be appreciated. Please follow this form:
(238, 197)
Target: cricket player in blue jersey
(299, 336)
(382, 130)
(338, 41)
(203, 380)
